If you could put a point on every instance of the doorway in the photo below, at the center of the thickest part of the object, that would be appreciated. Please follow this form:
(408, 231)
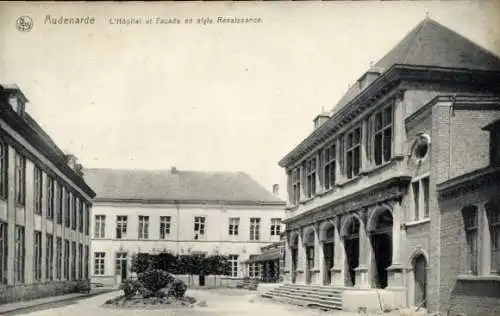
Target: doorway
(309, 247)
(201, 280)
(420, 275)
(381, 241)
(124, 270)
(294, 253)
(351, 245)
(328, 254)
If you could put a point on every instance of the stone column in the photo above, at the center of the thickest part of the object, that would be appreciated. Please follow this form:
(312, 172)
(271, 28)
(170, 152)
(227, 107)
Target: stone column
(287, 273)
(301, 259)
(339, 173)
(364, 269)
(395, 271)
(338, 270)
(318, 272)
(399, 132)
(364, 142)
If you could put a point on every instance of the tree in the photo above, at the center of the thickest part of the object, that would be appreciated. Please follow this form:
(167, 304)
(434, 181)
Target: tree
(141, 262)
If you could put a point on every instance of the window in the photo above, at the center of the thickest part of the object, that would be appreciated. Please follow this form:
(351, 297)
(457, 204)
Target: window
(100, 226)
(80, 261)
(80, 215)
(311, 177)
(4, 252)
(143, 227)
(121, 259)
(382, 136)
(495, 145)
(295, 186)
(352, 152)
(420, 147)
(493, 213)
(49, 256)
(19, 254)
(74, 205)
(121, 226)
(50, 197)
(234, 225)
(59, 258)
(37, 256)
(164, 226)
(20, 179)
(416, 199)
(199, 226)
(4, 167)
(87, 218)
(66, 260)
(310, 249)
(470, 214)
(254, 228)
(420, 191)
(59, 204)
(275, 226)
(99, 263)
(67, 206)
(86, 262)
(253, 270)
(38, 188)
(233, 265)
(425, 189)
(329, 166)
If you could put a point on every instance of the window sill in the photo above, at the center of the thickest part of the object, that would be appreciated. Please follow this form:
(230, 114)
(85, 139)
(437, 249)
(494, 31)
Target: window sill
(324, 192)
(417, 222)
(307, 200)
(478, 278)
(291, 208)
(348, 181)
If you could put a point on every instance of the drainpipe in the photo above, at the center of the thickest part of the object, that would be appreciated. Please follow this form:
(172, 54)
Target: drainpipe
(177, 206)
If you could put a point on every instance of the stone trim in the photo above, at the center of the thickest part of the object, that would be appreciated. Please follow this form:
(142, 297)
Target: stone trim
(468, 182)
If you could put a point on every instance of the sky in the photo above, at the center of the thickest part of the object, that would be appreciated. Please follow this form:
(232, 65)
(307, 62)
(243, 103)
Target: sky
(219, 97)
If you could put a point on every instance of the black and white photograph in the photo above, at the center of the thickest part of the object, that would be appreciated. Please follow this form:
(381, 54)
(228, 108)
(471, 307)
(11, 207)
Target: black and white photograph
(226, 158)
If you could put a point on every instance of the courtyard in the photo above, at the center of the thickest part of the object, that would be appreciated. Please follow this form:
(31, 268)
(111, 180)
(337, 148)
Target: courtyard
(220, 302)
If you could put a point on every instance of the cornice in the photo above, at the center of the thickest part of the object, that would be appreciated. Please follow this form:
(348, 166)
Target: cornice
(173, 202)
(469, 182)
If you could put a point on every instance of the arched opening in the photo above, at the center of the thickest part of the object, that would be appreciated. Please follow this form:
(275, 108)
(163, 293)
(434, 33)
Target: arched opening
(419, 264)
(328, 253)
(351, 245)
(309, 245)
(294, 252)
(381, 240)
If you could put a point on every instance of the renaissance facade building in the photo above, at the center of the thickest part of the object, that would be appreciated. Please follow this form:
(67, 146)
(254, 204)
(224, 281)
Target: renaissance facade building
(393, 198)
(44, 209)
(181, 212)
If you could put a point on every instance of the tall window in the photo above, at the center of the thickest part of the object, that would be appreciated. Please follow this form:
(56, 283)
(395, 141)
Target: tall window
(493, 214)
(86, 263)
(199, 226)
(37, 256)
(416, 199)
(143, 227)
(295, 186)
(352, 152)
(4, 167)
(20, 179)
(38, 189)
(425, 193)
(74, 204)
(19, 254)
(87, 218)
(254, 228)
(470, 215)
(100, 226)
(382, 141)
(254, 270)
(49, 257)
(50, 197)
(121, 259)
(311, 177)
(99, 263)
(60, 204)
(67, 208)
(66, 259)
(234, 225)
(73, 260)
(4, 251)
(275, 226)
(59, 258)
(329, 166)
(164, 226)
(80, 261)
(80, 215)
(121, 226)
(420, 190)
(233, 265)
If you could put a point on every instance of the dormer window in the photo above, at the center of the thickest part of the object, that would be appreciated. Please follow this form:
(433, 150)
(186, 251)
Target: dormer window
(15, 98)
(494, 130)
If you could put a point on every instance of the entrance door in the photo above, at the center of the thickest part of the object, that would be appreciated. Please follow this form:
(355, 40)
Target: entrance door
(294, 254)
(382, 248)
(419, 271)
(352, 254)
(310, 262)
(328, 254)
(201, 280)
(124, 269)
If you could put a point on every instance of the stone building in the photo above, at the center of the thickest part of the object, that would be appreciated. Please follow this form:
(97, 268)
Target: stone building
(181, 212)
(44, 209)
(368, 209)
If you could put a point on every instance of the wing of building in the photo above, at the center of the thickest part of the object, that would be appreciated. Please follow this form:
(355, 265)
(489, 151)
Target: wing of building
(44, 209)
(181, 212)
(378, 205)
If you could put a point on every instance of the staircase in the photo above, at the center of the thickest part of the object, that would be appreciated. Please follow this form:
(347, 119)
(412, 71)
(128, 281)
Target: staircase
(322, 297)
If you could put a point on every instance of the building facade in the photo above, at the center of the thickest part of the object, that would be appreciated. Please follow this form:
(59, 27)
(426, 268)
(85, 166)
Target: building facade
(181, 212)
(363, 212)
(44, 209)
(268, 265)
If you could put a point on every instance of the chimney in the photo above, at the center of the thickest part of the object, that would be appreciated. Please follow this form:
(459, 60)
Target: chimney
(370, 76)
(173, 170)
(276, 189)
(320, 119)
(72, 161)
(14, 97)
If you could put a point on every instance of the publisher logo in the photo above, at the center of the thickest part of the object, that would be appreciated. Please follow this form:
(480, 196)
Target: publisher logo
(24, 24)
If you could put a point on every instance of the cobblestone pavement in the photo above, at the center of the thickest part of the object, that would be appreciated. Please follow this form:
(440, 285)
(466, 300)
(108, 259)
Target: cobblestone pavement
(220, 302)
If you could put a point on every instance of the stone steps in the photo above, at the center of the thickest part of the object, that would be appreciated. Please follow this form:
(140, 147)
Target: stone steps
(307, 295)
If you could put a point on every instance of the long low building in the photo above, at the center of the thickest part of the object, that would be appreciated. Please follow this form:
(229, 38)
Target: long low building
(181, 212)
(44, 209)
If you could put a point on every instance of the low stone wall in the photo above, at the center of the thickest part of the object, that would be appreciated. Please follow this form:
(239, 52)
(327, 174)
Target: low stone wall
(24, 292)
(106, 280)
(193, 281)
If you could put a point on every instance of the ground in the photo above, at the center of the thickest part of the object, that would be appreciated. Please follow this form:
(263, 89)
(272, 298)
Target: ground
(220, 302)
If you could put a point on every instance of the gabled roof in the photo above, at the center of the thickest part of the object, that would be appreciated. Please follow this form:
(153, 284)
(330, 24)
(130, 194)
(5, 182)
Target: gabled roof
(176, 185)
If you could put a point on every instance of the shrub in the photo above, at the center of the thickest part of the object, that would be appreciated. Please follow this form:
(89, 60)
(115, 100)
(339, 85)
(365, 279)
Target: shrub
(177, 288)
(130, 288)
(154, 280)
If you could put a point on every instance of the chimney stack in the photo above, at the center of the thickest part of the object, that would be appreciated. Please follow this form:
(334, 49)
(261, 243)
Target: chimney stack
(276, 189)
(320, 119)
(173, 170)
(14, 96)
